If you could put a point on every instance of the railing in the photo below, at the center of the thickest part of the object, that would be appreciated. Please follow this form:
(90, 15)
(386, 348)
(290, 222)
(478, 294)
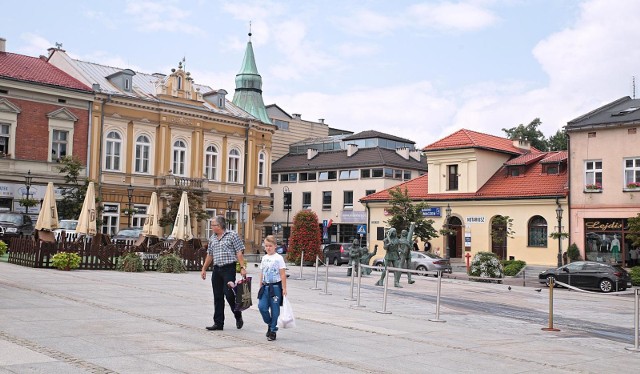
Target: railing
(177, 181)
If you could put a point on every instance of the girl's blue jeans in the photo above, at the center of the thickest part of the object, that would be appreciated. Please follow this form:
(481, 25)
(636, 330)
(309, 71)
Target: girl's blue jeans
(272, 303)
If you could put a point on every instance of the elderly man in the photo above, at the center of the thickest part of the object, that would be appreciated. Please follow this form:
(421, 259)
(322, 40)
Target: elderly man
(224, 250)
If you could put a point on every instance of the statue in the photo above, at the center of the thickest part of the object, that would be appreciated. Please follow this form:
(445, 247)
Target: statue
(405, 247)
(355, 253)
(392, 257)
(366, 258)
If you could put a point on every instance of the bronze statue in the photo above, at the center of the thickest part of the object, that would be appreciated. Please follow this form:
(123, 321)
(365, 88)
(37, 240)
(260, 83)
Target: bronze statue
(392, 257)
(366, 258)
(405, 247)
(355, 253)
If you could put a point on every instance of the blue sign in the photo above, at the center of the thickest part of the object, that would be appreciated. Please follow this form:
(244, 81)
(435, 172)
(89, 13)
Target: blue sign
(431, 212)
(362, 229)
(325, 223)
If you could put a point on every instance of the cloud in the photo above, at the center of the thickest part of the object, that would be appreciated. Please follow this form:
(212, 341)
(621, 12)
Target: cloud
(36, 45)
(450, 16)
(367, 22)
(161, 16)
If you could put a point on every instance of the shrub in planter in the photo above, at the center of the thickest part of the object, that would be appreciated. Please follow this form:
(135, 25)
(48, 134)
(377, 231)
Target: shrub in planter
(130, 262)
(485, 265)
(512, 267)
(635, 275)
(574, 253)
(66, 260)
(3, 248)
(170, 263)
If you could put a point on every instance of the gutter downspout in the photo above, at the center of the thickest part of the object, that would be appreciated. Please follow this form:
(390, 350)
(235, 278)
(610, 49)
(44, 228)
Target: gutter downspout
(244, 185)
(89, 139)
(366, 205)
(569, 189)
(101, 143)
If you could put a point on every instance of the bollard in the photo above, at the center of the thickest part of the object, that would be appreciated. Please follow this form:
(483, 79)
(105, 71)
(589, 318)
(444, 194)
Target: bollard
(359, 284)
(551, 286)
(301, 262)
(326, 281)
(437, 319)
(316, 275)
(524, 278)
(350, 298)
(384, 294)
(636, 322)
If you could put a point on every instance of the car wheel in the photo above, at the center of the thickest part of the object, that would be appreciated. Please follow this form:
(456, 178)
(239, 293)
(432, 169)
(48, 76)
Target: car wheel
(379, 266)
(422, 268)
(606, 285)
(335, 262)
(548, 281)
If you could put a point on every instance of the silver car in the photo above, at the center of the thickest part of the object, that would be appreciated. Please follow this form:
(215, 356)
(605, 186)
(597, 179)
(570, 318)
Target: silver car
(424, 261)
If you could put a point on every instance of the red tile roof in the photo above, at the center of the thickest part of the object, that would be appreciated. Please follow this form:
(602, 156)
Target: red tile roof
(525, 159)
(471, 139)
(32, 69)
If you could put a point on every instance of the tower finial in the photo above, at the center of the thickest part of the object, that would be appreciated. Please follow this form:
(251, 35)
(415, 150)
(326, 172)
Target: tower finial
(249, 30)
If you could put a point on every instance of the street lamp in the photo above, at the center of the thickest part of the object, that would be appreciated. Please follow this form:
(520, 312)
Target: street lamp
(559, 216)
(448, 212)
(229, 206)
(287, 205)
(257, 210)
(130, 210)
(27, 183)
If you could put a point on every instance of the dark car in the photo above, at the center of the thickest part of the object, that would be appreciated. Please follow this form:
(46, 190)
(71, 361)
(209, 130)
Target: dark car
(129, 233)
(589, 275)
(14, 224)
(337, 253)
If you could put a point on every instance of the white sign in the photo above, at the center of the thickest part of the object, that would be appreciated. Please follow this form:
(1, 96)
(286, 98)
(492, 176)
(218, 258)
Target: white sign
(475, 219)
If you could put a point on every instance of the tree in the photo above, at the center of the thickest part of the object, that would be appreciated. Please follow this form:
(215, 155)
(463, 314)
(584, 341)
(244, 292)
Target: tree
(195, 207)
(305, 236)
(75, 190)
(559, 141)
(501, 229)
(633, 232)
(404, 211)
(529, 132)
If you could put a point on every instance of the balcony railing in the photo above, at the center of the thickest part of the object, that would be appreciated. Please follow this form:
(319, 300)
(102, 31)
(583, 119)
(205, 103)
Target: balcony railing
(177, 181)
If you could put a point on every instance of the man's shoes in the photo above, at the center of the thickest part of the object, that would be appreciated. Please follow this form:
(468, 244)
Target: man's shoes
(214, 327)
(239, 323)
(272, 336)
(268, 331)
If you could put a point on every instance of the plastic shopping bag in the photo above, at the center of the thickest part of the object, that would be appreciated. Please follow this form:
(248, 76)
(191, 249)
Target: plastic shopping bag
(286, 319)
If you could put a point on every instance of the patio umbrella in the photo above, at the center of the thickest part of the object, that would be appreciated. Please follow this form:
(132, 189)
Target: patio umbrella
(151, 226)
(182, 225)
(48, 216)
(87, 219)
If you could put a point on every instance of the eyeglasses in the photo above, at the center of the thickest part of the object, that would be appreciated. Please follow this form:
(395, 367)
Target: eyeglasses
(215, 224)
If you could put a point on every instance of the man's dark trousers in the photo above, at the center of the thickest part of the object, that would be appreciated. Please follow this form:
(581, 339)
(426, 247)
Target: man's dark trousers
(219, 279)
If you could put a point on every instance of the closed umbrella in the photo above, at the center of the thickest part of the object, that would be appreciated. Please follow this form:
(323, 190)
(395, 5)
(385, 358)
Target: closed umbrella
(151, 226)
(48, 216)
(182, 225)
(87, 219)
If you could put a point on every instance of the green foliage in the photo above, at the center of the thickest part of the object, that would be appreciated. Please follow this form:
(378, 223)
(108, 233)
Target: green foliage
(558, 141)
(529, 132)
(404, 211)
(28, 203)
(573, 253)
(73, 193)
(501, 229)
(238, 266)
(4, 247)
(512, 267)
(66, 260)
(130, 262)
(634, 231)
(170, 263)
(635, 275)
(195, 207)
(486, 265)
(305, 236)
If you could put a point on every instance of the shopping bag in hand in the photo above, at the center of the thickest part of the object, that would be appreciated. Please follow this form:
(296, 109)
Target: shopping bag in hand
(242, 290)
(286, 319)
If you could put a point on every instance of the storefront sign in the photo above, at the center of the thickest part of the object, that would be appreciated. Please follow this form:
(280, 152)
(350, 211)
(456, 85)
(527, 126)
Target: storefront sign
(354, 216)
(604, 224)
(467, 239)
(431, 212)
(6, 190)
(475, 219)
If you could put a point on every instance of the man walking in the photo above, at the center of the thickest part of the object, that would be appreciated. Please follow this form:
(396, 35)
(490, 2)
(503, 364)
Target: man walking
(224, 250)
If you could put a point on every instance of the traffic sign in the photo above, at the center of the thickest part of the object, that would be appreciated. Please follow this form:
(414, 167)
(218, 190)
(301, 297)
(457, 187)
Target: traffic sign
(362, 229)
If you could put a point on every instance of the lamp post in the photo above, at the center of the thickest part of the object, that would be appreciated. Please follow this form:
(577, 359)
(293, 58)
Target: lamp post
(27, 183)
(559, 216)
(448, 212)
(229, 206)
(257, 210)
(129, 210)
(287, 205)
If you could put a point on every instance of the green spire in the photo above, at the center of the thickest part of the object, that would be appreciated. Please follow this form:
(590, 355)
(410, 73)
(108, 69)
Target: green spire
(248, 94)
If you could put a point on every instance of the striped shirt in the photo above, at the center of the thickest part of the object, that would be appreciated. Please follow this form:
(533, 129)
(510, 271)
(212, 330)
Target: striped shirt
(224, 249)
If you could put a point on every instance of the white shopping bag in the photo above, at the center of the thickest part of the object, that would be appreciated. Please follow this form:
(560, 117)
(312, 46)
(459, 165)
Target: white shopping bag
(286, 319)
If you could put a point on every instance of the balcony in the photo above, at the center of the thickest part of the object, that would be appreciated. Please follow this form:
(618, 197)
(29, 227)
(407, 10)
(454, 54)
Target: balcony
(181, 182)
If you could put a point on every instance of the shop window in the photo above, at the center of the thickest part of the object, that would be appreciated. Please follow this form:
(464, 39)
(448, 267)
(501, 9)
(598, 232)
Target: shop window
(537, 232)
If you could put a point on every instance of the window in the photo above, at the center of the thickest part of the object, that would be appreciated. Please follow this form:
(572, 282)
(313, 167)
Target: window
(232, 221)
(551, 168)
(179, 157)
(59, 144)
(281, 125)
(211, 213)
(593, 174)
(514, 171)
(142, 154)
(452, 173)
(406, 175)
(328, 175)
(537, 232)
(179, 82)
(286, 203)
(308, 176)
(211, 162)
(110, 216)
(234, 166)
(377, 173)
(631, 171)
(326, 200)
(288, 177)
(306, 200)
(274, 178)
(348, 174)
(348, 200)
(113, 151)
(4, 139)
(365, 173)
(261, 168)
(369, 192)
(139, 215)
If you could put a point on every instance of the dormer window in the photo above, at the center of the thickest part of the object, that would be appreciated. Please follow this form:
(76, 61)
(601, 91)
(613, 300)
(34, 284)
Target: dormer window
(179, 82)
(122, 79)
(126, 85)
(551, 169)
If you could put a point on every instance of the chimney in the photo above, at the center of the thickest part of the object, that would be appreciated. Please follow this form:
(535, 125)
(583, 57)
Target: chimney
(321, 120)
(296, 115)
(522, 144)
(415, 154)
(351, 149)
(3, 44)
(311, 153)
(403, 152)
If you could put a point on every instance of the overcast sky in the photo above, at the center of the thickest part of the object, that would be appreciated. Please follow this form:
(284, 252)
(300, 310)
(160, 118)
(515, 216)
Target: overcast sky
(416, 69)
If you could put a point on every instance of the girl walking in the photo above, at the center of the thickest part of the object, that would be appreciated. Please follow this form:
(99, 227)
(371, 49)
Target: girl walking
(273, 286)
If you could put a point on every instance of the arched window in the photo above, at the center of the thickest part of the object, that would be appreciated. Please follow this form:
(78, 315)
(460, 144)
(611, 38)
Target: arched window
(537, 232)
(142, 154)
(179, 156)
(113, 151)
(234, 165)
(261, 168)
(211, 162)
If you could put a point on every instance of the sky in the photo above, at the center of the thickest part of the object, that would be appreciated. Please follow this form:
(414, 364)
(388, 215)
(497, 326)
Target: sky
(420, 70)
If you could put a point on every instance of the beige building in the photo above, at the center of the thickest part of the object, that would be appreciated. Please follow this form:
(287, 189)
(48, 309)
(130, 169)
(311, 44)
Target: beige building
(473, 179)
(292, 129)
(604, 147)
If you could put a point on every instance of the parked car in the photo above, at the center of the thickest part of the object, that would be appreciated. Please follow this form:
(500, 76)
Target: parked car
(129, 233)
(337, 253)
(589, 275)
(281, 249)
(14, 224)
(66, 225)
(424, 262)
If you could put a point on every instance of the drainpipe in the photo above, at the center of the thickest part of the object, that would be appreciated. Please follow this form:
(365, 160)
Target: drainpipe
(569, 193)
(89, 138)
(244, 185)
(101, 143)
